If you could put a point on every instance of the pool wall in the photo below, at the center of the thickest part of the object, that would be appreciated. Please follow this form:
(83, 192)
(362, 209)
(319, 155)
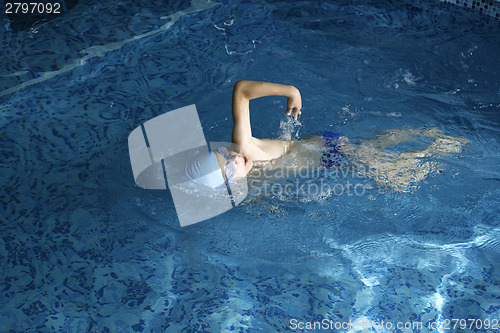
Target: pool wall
(488, 7)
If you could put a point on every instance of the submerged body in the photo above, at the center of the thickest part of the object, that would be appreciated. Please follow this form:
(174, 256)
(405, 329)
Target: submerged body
(395, 170)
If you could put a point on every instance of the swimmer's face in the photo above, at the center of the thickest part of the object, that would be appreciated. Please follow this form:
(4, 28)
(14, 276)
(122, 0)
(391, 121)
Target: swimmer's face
(242, 164)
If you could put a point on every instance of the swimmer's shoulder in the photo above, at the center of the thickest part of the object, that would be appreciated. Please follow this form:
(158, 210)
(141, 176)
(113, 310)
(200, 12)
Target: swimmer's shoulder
(291, 148)
(266, 149)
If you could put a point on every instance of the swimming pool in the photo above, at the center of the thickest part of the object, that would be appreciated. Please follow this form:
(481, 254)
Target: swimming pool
(82, 249)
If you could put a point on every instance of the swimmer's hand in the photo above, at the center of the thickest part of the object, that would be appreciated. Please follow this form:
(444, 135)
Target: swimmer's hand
(294, 103)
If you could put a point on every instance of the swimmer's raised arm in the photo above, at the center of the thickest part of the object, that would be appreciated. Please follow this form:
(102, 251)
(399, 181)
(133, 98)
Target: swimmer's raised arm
(244, 91)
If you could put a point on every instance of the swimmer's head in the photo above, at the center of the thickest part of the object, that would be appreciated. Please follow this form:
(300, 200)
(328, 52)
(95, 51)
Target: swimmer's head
(217, 168)
(205, 170)
(232, 164)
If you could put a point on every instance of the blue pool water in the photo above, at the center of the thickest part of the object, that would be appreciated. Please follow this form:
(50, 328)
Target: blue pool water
(83, 249)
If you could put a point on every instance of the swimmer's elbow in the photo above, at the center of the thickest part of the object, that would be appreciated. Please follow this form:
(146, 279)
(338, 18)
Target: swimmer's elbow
(239, 88)
(238, 84)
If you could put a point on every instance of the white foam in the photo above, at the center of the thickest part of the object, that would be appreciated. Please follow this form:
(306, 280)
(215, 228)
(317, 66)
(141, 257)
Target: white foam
(287, 128)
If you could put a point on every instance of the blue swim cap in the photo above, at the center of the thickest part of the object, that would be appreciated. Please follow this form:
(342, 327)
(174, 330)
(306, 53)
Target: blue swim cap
(205, 170)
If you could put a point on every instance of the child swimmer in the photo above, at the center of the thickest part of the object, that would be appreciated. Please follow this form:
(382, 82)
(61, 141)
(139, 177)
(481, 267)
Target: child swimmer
(393, 170)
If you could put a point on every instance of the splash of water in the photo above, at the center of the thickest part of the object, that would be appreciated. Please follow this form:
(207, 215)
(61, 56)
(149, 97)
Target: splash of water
(288, 127)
